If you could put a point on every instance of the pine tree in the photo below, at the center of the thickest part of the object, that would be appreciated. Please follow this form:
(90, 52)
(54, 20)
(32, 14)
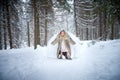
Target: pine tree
(28, 30)
(8, 24)
(35, 25)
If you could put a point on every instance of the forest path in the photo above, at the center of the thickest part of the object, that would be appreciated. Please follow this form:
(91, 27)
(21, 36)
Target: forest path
(100, 61)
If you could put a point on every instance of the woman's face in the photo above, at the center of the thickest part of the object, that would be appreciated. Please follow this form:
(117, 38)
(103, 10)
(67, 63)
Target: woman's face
(62, 33)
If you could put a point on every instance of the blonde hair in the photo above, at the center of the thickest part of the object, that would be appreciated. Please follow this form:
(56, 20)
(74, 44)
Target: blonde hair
(65, 34)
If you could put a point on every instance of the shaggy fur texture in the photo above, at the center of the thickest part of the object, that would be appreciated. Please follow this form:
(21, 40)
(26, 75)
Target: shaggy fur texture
(67, 40)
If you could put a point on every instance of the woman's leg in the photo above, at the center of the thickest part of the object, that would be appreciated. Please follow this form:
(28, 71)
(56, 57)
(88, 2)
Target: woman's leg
(65, 54)
(60, 55)
(68, 55)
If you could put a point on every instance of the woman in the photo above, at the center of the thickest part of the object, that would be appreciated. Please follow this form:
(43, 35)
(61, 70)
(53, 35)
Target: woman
(63, 40)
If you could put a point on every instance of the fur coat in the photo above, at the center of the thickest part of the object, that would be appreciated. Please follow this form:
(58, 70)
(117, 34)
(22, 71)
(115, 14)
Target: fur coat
(67, 40)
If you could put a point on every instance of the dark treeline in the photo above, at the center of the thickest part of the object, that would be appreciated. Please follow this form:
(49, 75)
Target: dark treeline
(97, 19)
(28, 22)
(9, 31)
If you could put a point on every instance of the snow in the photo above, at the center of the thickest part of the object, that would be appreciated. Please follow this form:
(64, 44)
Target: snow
(91, 60)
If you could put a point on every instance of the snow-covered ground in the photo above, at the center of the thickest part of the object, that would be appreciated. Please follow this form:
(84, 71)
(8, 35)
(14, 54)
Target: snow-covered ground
(91, 60)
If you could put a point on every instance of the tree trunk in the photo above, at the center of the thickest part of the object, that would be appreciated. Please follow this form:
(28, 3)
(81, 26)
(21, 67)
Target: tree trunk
(38, 30)
(28, 32)
(45, 43)
(35, 26)
(100, 24)
(75, 19)
(9, 26)
(112, 31)
(5, 38)
(105, 27)
(0, 36)
(86, 33)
